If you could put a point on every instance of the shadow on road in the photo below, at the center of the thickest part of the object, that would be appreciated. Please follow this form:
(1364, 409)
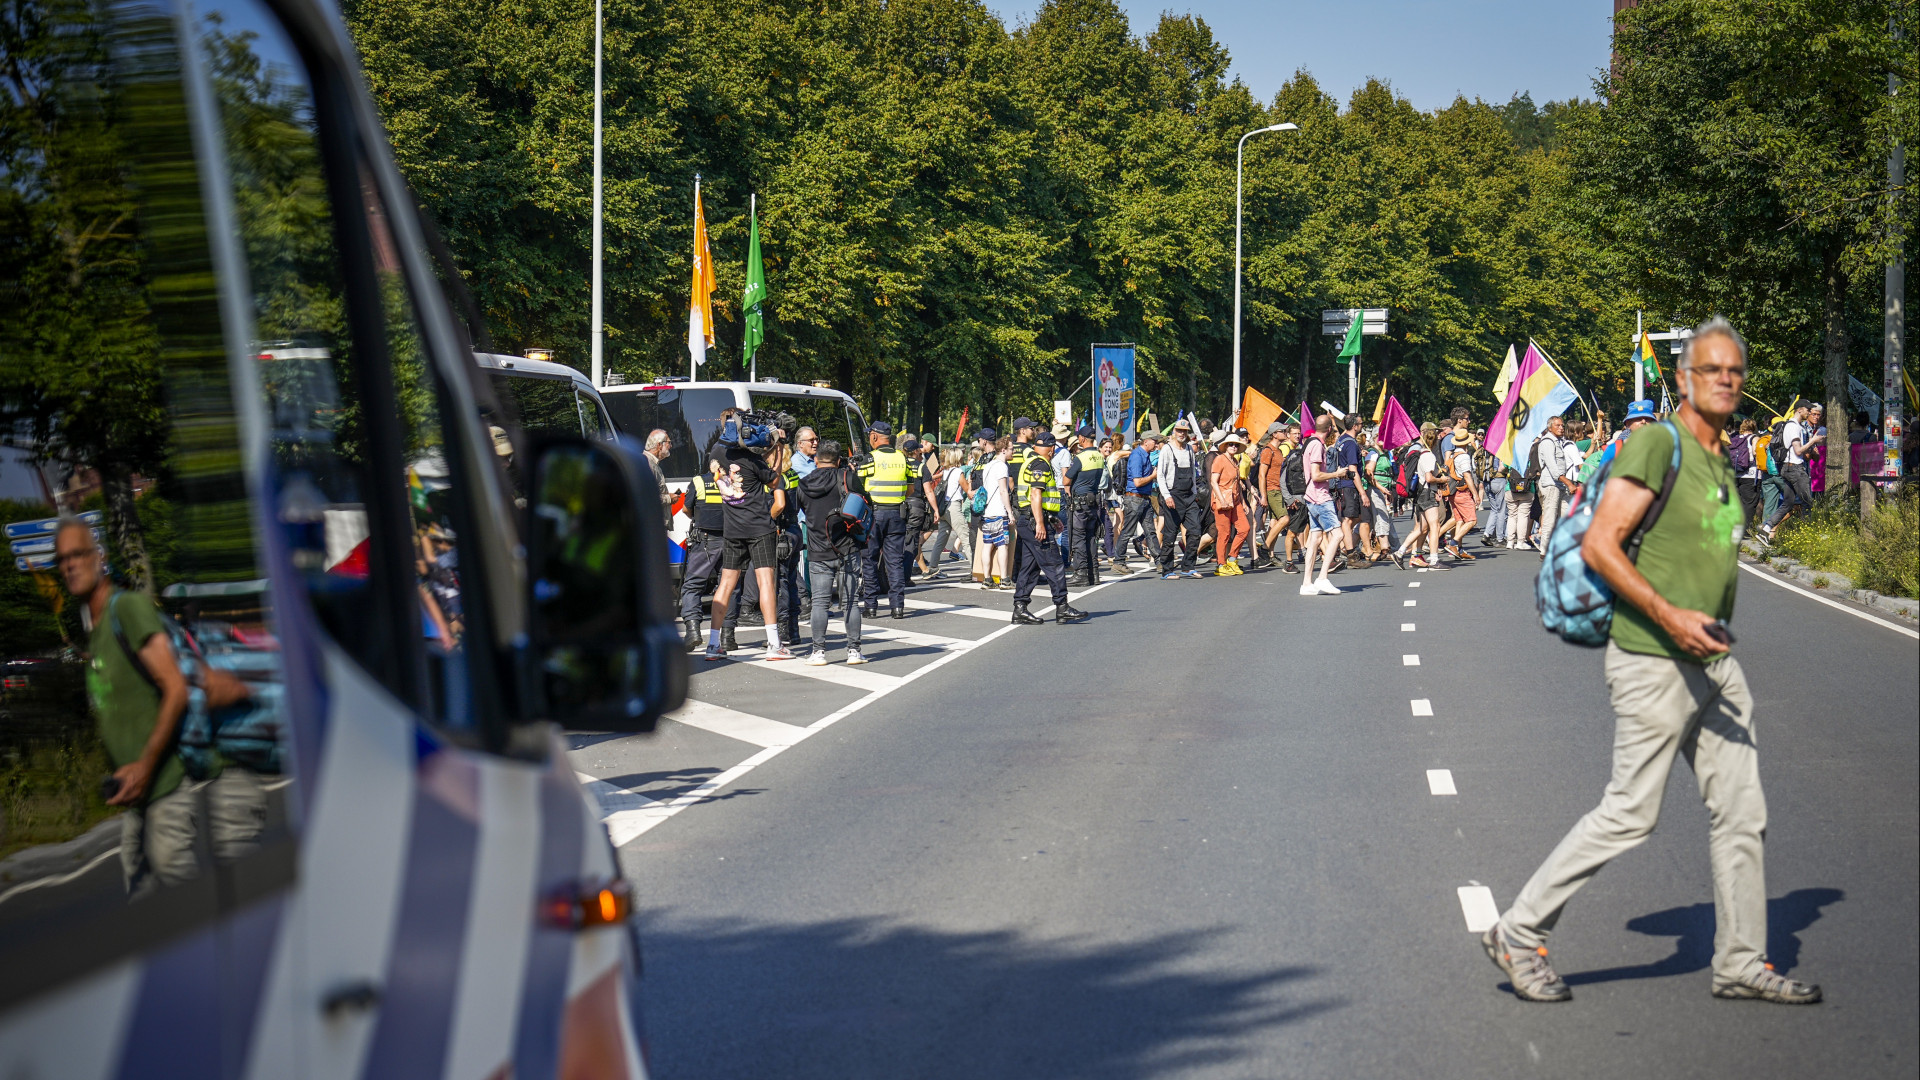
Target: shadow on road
(853, 999)
(1693, 926)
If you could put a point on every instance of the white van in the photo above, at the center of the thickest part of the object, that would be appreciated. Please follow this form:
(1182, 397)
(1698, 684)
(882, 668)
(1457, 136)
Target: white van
(689, 412)
(290, 798)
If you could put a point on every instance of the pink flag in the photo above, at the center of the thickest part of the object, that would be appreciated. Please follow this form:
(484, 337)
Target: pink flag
(1306, 420)
(1397, 429)
(1501, 429)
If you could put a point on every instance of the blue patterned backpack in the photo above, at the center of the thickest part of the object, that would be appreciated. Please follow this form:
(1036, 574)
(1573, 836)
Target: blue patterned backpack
(1574, 601)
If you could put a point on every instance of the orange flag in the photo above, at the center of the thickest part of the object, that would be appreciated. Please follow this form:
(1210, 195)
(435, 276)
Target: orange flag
(1257, 410)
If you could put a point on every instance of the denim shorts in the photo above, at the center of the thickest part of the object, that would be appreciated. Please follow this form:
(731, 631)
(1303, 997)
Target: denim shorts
(1322, 517)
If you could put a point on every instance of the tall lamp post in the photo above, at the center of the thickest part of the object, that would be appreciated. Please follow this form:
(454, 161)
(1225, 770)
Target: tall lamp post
(599, 326)
(1239, 157)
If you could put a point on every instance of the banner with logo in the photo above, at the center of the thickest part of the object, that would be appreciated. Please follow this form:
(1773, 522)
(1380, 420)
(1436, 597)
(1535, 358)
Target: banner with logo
(1113, 390)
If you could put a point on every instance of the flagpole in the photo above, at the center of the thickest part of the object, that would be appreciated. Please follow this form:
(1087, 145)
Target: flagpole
(1639, 362)
(599, 328)
(693, 363)
(753, 363)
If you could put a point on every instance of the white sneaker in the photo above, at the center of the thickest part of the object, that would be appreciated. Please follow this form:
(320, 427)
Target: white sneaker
(854, 657)
(781, 653)
(817, 658)
(1326, 588)
(1308, 588)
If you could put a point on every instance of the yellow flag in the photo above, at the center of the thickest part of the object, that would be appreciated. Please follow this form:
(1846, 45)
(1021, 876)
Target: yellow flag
(1505, 379)
(1380, 407)
(700, 311)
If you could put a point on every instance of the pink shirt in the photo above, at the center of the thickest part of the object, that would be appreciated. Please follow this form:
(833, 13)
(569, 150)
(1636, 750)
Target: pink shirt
(1317, 460)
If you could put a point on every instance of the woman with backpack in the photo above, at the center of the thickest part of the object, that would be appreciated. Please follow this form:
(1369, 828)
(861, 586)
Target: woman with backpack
(1746, 469)
(992, 555)
(954, 494)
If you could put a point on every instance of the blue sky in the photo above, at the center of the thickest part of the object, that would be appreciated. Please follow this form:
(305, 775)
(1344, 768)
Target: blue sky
(1429, 50)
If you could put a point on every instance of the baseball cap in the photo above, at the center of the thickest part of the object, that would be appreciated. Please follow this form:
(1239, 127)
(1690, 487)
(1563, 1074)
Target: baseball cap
(1641, 410)
(1085, 431)
(1149, 433)
(1023, 422)
(1182, 424)
(1045, 438)
(986, 433)
(880, 427)
(909, 443)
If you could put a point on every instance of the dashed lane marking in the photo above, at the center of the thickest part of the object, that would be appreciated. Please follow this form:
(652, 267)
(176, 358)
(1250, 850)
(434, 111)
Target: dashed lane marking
(1409, 659)
(1413, 584)
(1407, 627)
(1408, 603)
(1422, 707)
(1440, 782)
(734, 724)
(1476, 903)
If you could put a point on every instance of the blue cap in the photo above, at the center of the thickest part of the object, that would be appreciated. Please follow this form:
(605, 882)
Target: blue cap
(1023, 422)
(1045, 438)
(908, 442)
(1641, 410)
(986, 433)
(880, 427)
(1085, 431)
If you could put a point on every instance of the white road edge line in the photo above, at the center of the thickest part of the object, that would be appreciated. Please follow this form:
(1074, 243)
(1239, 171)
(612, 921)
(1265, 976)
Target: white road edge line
(1422, 707)
(1476, 903)
(1832, 604)
(1403, 603)
(634, 819)
(1440, 782)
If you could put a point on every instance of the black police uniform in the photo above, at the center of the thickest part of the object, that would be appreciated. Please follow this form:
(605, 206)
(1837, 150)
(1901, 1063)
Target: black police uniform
(786, 566)
(701, 572)
(1032, 557)
(1086, 518)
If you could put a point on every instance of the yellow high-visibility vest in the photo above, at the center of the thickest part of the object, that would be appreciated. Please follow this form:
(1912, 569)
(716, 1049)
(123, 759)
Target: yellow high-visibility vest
(888, 477)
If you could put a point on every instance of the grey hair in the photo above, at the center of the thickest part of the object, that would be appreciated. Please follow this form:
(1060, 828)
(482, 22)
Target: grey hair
(656, 437)
(804, 430)
(1715, 326)
(71, 521)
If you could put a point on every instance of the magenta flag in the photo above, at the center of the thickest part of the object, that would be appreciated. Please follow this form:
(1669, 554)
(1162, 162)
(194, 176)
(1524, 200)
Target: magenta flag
(1500, 430)
(1306, 420)
(1397, 429)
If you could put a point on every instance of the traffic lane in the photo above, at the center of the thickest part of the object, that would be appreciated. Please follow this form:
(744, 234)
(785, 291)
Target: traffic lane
(1636, 943)
(1196, 823)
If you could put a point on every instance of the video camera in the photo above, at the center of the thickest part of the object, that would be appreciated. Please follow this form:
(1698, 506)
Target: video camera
(757, 429)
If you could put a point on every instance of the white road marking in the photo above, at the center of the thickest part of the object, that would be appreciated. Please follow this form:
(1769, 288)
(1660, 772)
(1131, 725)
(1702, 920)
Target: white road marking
(628, 814)
(1405, 603)
(1407, 627)
(857, 677)
(1440, 782)
(1422, 707)
(1409, 659)
(1476, 903)
(877, 629)
(1410, 584)
(967, 609)
(734, 724)
(1837, 606)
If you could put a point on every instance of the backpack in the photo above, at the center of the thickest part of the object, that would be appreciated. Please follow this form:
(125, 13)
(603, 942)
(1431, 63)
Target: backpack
(1573, 600)
(847, 526)
(1740, 453)
(1533, 461)
(1776, 447)
(1406, 478)
(247, 732)
(1293, 473)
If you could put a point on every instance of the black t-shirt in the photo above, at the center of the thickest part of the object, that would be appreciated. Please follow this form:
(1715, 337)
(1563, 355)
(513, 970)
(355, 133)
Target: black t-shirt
(747, 484)
(922, 479)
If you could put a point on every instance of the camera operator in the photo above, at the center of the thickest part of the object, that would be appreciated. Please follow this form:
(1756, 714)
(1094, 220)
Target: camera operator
(751, 498)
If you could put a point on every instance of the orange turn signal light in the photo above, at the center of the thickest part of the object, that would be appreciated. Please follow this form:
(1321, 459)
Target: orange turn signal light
(584, 906)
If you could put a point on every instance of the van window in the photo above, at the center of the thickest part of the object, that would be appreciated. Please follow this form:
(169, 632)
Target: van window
(593, 421)
(691, 417)
(135, 604)
(830, 418)
(545, 403)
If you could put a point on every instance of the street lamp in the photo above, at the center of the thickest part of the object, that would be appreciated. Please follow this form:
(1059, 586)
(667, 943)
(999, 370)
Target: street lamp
(599, 329)
(1239, 155)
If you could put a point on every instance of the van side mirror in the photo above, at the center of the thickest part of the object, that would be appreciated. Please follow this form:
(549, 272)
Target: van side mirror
(605, 653)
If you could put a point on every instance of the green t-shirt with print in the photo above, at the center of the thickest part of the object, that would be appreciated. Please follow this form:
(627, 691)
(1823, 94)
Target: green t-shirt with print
(124, 703)
(1691, 555)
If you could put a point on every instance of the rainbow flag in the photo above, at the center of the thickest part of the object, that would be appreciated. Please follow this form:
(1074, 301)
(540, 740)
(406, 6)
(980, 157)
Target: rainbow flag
(1537, 395)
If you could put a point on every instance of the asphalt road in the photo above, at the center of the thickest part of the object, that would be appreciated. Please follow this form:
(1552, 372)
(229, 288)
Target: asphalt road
(1197, 836)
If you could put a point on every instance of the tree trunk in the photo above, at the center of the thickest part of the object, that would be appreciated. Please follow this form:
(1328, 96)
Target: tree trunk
(1838, 400)
(124, 532)
(916, 397)
(843, 382)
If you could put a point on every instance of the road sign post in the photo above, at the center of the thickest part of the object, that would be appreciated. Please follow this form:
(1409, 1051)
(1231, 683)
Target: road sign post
(1337, 321)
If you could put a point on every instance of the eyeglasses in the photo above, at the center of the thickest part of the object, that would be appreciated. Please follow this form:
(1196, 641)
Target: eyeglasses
(1715, 371)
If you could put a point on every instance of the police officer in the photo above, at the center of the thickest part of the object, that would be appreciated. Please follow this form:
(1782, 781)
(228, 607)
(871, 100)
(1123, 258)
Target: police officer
(887, 476)
(705, 541)
(1036, 517)
(1086, 515)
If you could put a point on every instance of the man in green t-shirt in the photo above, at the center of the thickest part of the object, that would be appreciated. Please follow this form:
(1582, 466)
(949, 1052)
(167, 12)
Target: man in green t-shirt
(139, 715)
(1675, 689)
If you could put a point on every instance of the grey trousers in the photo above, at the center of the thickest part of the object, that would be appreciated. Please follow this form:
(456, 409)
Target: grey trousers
(1665, 707)
(845, 571)
(169, 840)
(1550, 498)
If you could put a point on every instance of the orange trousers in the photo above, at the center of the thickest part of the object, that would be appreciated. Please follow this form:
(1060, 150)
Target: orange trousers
(1231, 522)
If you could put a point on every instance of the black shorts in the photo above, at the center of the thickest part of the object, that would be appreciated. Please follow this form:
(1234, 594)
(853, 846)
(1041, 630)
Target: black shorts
(1346, 502)
(1297, 519)
(752, 552)
(1425, 499)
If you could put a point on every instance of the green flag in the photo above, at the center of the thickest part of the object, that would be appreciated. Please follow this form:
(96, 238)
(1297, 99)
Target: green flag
(756, 294)
(1351, 347)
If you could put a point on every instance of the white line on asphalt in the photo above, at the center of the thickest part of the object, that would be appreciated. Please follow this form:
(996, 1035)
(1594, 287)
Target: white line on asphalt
(1422, 707)
(875, 628)
(1409, 659)
(1407, 626)
(967, 609)
(1841, 607)
(1476, 903)
(1408, 603)
(1410, 584)
(628, 815)
(857, 677)
(1440, 782)
(734, 724)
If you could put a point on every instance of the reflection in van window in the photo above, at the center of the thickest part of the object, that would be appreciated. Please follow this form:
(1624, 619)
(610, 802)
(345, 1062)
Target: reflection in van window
(691, 417)
(141, 682)
(828, 417)
(545, 404)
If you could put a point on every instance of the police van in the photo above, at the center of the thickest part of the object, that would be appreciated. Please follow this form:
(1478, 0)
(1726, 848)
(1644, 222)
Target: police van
(689, 412)
(283, 789)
